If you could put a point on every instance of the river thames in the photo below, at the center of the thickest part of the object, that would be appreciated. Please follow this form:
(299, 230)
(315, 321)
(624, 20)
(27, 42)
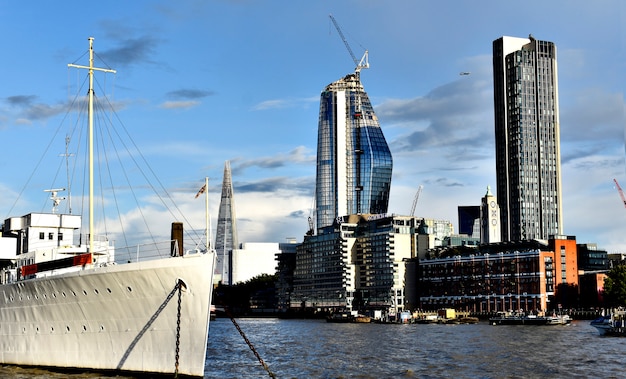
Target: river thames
(316, 349)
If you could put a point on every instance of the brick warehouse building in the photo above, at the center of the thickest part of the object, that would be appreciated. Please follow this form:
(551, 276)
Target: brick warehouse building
(528, 275)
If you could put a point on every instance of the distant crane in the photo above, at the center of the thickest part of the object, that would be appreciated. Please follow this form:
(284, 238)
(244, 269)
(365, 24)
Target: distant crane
(363, 63)
(621, 193)
(417, 196)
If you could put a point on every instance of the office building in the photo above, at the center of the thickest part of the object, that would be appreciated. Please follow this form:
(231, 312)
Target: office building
(526, 275)
(469, 220)
(226, 235)
(358, 263)
(526, 110)
(253, 259)
(354, 163)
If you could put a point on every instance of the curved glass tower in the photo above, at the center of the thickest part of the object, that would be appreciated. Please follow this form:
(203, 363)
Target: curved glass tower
(354, 163)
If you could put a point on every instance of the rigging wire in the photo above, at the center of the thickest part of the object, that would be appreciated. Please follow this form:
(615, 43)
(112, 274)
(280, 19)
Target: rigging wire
(76, 134)
(161, 187)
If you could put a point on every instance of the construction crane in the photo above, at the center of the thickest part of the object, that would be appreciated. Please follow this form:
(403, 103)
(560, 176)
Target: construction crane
(363, 63)
(417, 196)
(621, 193)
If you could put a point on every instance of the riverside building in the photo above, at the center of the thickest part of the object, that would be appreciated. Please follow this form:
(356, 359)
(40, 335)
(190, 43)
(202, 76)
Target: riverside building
(528, 163)
(528, 275)
(350, 258)
(358, 263)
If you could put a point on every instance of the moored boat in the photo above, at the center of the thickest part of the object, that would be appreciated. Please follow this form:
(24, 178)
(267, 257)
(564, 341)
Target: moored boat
(67, 303)
(528, 319)
(613, 324)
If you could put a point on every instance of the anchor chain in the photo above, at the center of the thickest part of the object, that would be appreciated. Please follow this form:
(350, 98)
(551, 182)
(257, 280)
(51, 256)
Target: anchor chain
(177, 355)
(256, 354)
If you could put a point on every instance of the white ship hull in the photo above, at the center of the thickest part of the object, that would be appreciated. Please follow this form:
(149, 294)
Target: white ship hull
(121, 317)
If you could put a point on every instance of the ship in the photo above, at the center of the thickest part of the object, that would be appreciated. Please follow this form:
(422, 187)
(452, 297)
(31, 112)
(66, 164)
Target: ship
(520, 318)
(66, 302)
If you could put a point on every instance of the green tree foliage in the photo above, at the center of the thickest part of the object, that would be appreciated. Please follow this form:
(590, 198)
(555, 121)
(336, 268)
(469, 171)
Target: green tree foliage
(615, 287)
(257, 292)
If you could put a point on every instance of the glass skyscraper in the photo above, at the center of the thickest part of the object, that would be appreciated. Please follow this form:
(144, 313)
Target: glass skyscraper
(528, 163)
(354, 163)
(226, 236)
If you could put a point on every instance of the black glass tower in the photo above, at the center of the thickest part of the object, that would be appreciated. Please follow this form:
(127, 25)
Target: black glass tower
(528, 163)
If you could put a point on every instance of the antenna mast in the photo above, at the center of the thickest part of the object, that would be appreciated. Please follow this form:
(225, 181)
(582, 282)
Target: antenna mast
(67, 155)
(91, 69)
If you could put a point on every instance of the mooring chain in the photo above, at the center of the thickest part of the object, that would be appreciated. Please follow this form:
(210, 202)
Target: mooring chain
(177, 356)
(256, 354)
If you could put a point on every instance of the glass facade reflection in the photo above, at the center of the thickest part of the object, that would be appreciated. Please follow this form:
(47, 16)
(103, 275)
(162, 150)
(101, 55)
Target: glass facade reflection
(354, 164)
(528, 167)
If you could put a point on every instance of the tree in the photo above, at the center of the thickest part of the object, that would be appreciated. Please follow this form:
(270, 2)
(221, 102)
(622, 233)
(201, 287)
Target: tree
(258, 292)
(615, 287)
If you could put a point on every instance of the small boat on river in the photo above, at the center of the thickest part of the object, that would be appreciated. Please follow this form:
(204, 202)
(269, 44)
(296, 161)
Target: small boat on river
(504, 318)
(348, 317)
(613, 324)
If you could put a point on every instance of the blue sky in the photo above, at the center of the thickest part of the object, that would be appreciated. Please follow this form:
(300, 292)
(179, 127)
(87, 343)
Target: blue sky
(202, 82)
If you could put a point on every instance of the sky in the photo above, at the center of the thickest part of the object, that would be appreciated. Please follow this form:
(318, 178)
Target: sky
(199, 83)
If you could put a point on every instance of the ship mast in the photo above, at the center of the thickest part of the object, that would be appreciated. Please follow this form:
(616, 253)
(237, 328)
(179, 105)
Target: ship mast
(207, 217)
(91, 69)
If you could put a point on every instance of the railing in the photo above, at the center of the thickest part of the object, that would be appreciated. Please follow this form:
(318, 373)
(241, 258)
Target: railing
(146, 251)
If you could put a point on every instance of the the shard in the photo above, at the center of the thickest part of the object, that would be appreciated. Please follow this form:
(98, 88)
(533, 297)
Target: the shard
(226, 235)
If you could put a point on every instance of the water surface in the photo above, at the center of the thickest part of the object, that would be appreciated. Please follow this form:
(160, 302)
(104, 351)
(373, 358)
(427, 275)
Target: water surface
(316, 349)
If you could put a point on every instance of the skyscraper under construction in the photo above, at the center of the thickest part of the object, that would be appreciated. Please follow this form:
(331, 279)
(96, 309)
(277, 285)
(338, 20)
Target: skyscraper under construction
(354, 163)
(528, 162)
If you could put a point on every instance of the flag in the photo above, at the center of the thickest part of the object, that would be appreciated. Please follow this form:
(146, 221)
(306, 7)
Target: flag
(201, 191)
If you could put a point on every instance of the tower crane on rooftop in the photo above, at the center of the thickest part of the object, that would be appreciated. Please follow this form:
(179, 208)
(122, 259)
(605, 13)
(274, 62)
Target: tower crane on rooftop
(621, 193)
(363, 63)
(417, 196)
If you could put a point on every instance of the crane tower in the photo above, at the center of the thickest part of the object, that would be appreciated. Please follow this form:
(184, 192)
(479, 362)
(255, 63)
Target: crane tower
(363, 63)
(621, 193)
(417, 196)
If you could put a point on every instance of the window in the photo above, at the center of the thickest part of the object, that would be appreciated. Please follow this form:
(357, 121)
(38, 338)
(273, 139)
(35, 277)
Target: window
(50, 236)
(42, 235)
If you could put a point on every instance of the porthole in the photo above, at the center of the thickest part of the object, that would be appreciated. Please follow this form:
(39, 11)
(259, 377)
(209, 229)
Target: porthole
(101, 328)
(36, 297)
(84, 328)
(63, 293)
(96, 291)
(129, 289)
(67, 327)
(52, 329)
(84, 292)
(73, 293)
(108, 290)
